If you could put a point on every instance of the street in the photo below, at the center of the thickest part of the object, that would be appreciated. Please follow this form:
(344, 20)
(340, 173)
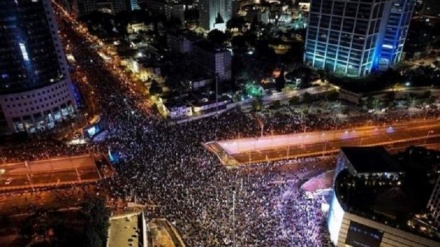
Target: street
(279, 147)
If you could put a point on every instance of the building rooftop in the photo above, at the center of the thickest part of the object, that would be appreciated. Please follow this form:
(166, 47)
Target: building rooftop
(208, 46)
(397, 201)
(371, 159)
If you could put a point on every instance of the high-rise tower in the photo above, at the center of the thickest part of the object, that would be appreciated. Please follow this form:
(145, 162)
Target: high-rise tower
(215, 13)
(35, 86)
(397, 24)
(356, 37)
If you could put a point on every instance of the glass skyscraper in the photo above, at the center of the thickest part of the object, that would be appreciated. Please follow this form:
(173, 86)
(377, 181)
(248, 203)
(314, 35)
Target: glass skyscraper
(35, 86)
(356, 37)
(397, 25)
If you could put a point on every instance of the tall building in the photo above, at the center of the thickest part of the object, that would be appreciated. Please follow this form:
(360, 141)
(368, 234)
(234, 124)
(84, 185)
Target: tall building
(396, 31)
(177, 11)
(134, 5)
(214, 61)
(83, 7)
(215, 13)
(35, 86)
(354, 38)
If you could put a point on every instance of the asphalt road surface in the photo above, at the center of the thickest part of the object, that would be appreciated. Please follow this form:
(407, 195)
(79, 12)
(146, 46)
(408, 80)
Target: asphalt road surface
(271, 148)
(51, 172)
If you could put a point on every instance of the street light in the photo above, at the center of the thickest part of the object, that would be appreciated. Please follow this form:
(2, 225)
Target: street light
(427, 135)
(234, 243)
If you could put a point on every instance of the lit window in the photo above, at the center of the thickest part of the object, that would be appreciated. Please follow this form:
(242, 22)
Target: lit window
(24, 52)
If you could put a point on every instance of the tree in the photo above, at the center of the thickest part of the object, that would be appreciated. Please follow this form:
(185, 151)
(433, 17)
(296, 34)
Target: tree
(280, 81)
(97, 217)
(411, 101)
(257, 105)
(294, 100)
(239, 43)
(236, 22)
(390, 96)
(92, 238)
(426, 95)
(155, 88)
(276, 104)
(373, 103)
(217, 37)
(369, 102)
(307, 97)
(431, 100)
(332, 96)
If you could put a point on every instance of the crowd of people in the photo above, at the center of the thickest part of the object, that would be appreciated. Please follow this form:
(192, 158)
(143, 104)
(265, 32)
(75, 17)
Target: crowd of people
(165, 166)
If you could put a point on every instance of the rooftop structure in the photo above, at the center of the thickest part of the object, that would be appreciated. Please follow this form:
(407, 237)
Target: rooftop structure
(385, 205)
(368, 160)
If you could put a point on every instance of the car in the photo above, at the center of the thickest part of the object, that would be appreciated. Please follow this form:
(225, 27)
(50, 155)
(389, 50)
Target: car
(8, 181)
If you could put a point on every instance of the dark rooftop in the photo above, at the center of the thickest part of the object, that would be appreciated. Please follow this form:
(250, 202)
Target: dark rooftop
(371, 159)
(397, 201)
(208, 46)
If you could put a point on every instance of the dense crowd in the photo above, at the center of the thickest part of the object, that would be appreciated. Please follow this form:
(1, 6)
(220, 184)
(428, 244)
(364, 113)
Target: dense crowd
(165, 165)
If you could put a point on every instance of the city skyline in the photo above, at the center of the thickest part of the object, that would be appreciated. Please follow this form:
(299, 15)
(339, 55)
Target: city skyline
(219, 136)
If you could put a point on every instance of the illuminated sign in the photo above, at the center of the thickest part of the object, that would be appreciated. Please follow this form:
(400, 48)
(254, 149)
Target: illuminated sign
(360, 235)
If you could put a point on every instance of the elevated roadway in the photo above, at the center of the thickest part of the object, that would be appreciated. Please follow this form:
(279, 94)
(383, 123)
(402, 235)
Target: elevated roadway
(46, 173)
(278, 147)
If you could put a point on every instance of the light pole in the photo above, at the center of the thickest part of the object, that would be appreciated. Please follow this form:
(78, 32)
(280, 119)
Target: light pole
(234, 243)
(427, 136)
(216, 94)
(426, 111)
(325, 149)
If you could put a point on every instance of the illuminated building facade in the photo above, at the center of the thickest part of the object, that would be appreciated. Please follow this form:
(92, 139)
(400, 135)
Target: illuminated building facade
(353, 38)
(215, 13)
(134, 5)
(397, 26)
(35, 86)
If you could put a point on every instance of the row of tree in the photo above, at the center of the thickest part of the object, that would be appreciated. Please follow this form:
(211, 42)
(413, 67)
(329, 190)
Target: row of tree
(49, 228)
